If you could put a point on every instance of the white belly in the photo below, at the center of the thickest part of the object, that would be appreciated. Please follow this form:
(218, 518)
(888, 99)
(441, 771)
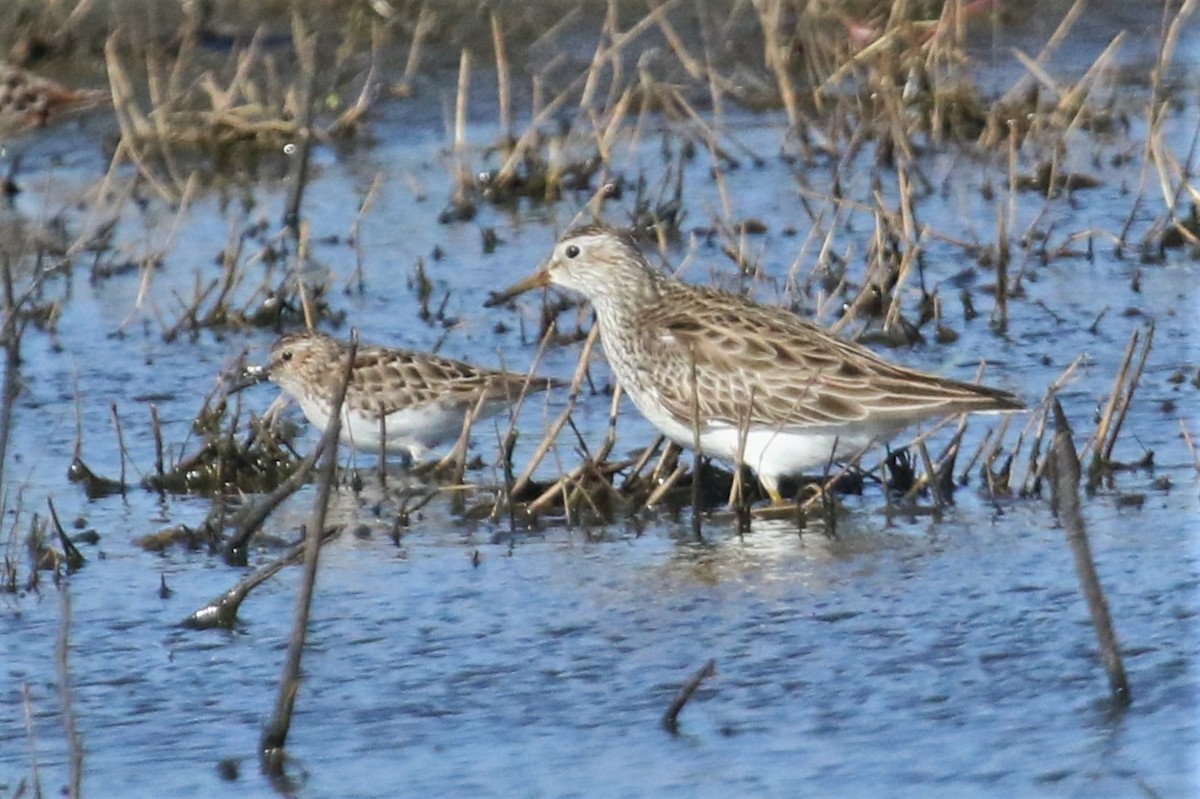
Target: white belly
(770, 453)
(409, 430)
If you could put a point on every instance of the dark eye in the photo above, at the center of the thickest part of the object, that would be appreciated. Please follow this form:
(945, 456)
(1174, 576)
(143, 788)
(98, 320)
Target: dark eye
(572, 251)
(286, 355)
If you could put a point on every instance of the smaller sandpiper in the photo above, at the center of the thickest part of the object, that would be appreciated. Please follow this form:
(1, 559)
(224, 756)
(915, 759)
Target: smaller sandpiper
(406, 401)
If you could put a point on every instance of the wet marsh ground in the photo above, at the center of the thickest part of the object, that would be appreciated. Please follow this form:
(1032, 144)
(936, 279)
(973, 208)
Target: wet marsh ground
(950, 201)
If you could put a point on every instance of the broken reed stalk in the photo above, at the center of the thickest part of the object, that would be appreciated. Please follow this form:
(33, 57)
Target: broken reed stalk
(670, 719)
(222, 611)
(112, 407)
(1026, 81)
(381, 461)
(306, 55)
(665, 486)
(551, 435)
(66, 697)
(1187, 439)
(697, 455)
(1105, 437)
(71, 553)
(641, 462)
(1126, 396)
(738, 498)
(1065, 502)
(252, 516)
(156, 428)
(30, 732)
(11, 336)
(275, 732)
(456, 458)
(368, 202)
(462, 180)
(931, 475)
(503, 92)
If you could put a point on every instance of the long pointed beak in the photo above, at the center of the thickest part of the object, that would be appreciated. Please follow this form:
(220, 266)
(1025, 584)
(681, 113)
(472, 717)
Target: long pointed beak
(539, 279)
(247, 376)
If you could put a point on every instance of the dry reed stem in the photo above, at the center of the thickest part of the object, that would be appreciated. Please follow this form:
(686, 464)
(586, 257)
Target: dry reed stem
(10, 338)
(35, 775)
(503, 90)
(306, 55)
(456, 458)
(66, 696)
(964, 475)
(158, 255)
(459, 145)
(251, 517)
(222, 611)
(640, 463)
(551, 435)
(1105, 436)
(1021, 87)
(832, 479)
(275, 732)
(1065, 485)
(349, 120)
(1038, 414)
(670, 719)
(71, 554)
(426, 19)
(1187, 439)
(737, 491)
(130, 120)
(696, 450)
(665, 486)
(1126, 397)
(666, 463)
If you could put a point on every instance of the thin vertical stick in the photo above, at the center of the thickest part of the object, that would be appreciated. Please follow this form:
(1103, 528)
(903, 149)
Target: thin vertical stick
(275, 732)
(120, 442)
(1187, 439)
(306, 54)
(696, 460)
(425, 21)
(1065, 500)
(35, 772)
(65, 698)
(503, 91)
(460, 128)
(1126, 396)
(670, 719)
(156, 426)
(11, 338)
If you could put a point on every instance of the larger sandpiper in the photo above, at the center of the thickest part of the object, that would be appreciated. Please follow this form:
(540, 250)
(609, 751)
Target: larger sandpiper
(753, 384)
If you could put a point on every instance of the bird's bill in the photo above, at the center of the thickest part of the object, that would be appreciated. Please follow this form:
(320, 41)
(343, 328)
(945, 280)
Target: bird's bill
(539, 279)
(244, 378)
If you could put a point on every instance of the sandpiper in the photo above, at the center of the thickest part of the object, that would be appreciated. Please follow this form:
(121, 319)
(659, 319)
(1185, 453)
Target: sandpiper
(752, 384)
(407, 401)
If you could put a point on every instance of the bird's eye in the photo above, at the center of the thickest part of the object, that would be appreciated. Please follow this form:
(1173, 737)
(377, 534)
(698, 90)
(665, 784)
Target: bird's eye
(572, 251)
(286, 355)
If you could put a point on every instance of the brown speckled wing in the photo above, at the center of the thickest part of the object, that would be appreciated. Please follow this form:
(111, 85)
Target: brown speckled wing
(763, 366)
(422, 379)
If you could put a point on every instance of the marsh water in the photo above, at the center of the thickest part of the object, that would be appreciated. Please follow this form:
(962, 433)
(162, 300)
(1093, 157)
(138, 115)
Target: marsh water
(909, 655)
